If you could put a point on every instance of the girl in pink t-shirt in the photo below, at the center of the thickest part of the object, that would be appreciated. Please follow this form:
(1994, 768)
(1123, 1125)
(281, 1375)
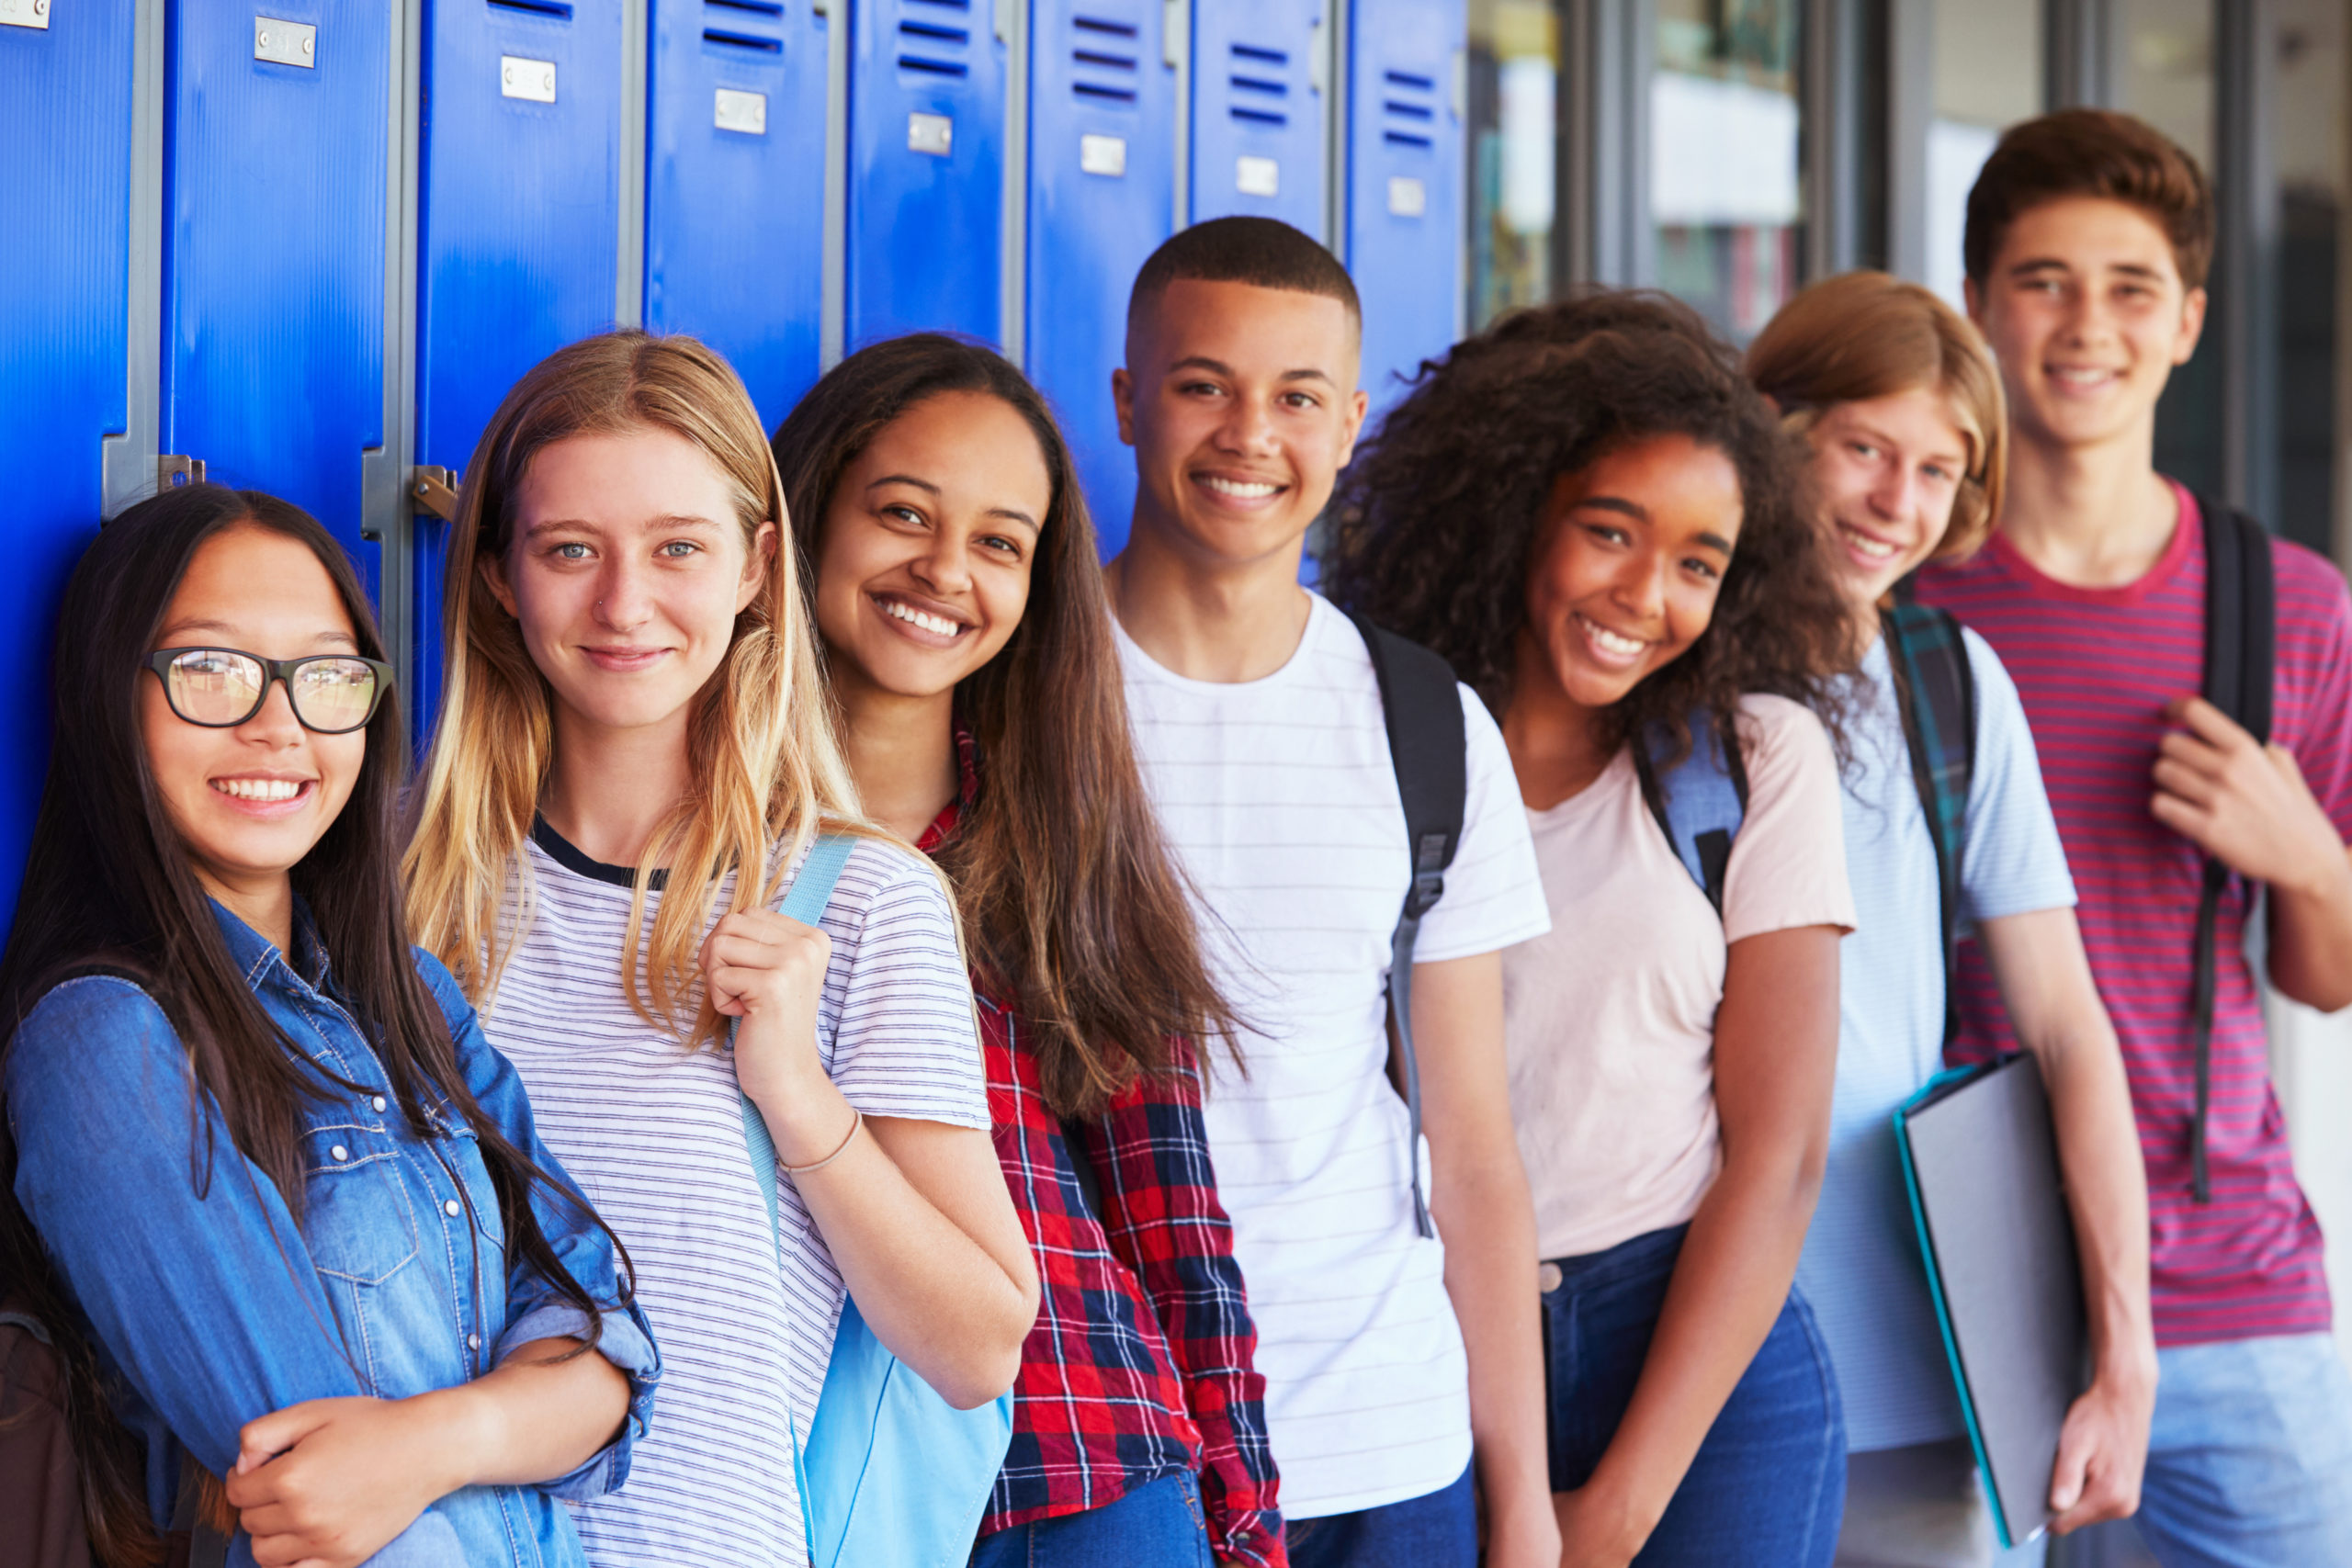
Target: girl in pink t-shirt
(1640, 579)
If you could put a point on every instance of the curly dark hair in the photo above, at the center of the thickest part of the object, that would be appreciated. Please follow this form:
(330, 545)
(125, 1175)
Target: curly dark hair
(1434, 523)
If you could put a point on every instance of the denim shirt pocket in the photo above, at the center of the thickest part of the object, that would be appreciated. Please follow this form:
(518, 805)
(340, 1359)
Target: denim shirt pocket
(356, 1219)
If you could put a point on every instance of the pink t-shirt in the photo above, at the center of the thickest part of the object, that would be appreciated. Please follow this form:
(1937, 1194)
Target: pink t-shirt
(1609, 1019)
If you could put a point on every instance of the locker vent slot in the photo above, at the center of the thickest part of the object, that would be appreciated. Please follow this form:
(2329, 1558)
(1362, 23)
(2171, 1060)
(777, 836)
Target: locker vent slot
(1257, 78)
(757, 7)
(742, 40)
(935, 46)
(1103, 60)
(1408, 109)
(558, 9)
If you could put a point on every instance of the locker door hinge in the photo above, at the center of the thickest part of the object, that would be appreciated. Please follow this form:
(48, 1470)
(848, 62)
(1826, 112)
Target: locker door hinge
(172, 471)
(435, 490)
(1175, 31)
(1004, 20)
(1318, 63)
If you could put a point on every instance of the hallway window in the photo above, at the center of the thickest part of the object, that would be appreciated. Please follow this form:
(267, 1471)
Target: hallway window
(1723, 157)
(1514, 78)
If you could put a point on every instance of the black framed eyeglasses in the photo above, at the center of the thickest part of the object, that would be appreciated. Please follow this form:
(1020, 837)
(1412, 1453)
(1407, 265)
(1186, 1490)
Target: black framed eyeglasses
(219, 688)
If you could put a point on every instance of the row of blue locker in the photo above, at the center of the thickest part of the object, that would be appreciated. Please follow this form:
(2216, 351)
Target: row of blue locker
(305, 245)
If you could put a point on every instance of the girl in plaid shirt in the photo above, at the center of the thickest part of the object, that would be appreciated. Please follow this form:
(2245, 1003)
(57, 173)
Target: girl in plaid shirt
(955, 585)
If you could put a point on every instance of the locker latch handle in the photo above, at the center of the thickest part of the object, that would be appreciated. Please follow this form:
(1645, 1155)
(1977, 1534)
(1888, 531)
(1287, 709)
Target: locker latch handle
(174, 471)
(435, 490)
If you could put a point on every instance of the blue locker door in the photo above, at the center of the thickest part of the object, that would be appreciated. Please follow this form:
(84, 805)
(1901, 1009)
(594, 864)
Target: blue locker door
(1102, 198)
(1257, 115)
(926, 169)
(273, 363)
(735, 187)
(519, 202)
(66, 113)
(1405, 173)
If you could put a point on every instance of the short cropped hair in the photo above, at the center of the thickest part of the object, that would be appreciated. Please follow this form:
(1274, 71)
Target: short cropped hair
(1864, 335)
(2091, 153)
(1263, 251)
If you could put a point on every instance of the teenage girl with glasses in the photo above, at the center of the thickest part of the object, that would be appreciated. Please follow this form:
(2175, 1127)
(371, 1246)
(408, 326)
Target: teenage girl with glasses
(957, 593)
(635, 752)
(1636, 582)
(278, 1208)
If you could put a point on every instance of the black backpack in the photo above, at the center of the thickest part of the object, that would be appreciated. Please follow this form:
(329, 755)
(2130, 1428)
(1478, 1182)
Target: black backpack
(1429, 748)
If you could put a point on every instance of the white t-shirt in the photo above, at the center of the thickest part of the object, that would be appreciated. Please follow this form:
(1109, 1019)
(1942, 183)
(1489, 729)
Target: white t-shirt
(1860, 1269)
(1610, 1020)
(653, 1133)
(1279, 800)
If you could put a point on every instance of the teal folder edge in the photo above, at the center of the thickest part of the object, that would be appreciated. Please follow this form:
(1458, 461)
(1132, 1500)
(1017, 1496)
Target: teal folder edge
(1936, 1089)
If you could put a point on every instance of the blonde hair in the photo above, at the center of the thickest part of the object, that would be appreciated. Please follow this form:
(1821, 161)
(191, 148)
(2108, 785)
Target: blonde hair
(767, 769)
(1863, 335)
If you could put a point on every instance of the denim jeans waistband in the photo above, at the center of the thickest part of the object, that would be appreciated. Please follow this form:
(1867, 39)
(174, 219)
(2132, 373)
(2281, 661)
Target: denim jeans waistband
(1651, 1252)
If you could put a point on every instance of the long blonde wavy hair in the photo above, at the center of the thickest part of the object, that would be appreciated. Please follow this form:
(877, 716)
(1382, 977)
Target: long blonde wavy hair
(767, 770)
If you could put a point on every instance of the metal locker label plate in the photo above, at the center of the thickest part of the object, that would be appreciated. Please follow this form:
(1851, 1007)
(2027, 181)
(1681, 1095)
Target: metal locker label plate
(932, 133)
(286, 43)
(25, 14)
(1253, 175)
(737, 110)
(531, 79)
(1408, 197)
(1102, 155)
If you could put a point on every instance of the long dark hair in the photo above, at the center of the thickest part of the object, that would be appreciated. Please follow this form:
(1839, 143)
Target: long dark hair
(1435, 522)
(108, 889)
(1068, 897)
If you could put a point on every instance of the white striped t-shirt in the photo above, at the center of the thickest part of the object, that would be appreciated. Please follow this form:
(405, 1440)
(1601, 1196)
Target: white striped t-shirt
(654, 1134)
(1279, 800)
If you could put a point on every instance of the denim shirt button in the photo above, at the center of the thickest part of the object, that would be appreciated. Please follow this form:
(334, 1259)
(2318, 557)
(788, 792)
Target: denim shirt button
(453, 1208)
(340, 1153)
(473, 1341)
(379, 1102)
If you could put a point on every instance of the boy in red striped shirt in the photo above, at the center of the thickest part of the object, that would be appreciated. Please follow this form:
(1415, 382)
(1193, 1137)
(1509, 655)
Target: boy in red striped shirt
(2087, 241)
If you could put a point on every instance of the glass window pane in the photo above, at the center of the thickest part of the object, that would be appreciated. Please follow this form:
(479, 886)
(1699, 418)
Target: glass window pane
(2165, 62)
(1723, 157)
(2308, 130)
(1514, 74)
(1988, 76)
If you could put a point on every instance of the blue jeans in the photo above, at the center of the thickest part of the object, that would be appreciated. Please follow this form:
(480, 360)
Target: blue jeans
(2249, 1463)
(1438, 1530)
(1156, 1526)
(1770, 1482)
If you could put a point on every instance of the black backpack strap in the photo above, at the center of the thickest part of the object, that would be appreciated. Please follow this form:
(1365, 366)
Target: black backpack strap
(1429, 748)
(1936, 693)
(2241, 633)
(1697, 803)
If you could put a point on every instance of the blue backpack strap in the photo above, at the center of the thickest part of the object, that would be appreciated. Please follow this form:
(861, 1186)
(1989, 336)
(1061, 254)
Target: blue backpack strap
(1700, 801)
(1936, 692)
(805, 902)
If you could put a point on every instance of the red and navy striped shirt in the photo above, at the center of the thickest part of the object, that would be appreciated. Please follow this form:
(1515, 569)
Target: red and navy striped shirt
(1140, 1364)
(2095, 667)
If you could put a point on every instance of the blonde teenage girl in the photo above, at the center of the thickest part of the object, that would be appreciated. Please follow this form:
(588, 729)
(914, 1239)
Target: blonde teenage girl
(634, 754)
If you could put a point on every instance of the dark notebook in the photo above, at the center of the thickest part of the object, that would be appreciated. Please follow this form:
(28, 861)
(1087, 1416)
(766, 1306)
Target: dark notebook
(1982, 1166)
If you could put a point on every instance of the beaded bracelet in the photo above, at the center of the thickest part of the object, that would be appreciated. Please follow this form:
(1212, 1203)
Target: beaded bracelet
(857, 1120)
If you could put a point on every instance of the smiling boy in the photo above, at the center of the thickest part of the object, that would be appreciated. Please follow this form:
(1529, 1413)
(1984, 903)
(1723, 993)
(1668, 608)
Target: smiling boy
(1389, 1355)
(2087, 241)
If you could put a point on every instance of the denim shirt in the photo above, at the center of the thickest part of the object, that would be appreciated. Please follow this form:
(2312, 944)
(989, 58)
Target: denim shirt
(211, 1307)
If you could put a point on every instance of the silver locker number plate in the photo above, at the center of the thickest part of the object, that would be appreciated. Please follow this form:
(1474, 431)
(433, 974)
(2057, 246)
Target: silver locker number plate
(739, 110)
(530, 79)
(286, 43)
(932, 133)
(25, 14)
(1253, 175)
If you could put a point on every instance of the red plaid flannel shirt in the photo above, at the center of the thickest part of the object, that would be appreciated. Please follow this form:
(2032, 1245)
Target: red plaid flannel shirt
(1139, 1365)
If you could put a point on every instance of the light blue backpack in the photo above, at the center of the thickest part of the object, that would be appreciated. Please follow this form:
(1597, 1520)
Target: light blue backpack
(891, 1476)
